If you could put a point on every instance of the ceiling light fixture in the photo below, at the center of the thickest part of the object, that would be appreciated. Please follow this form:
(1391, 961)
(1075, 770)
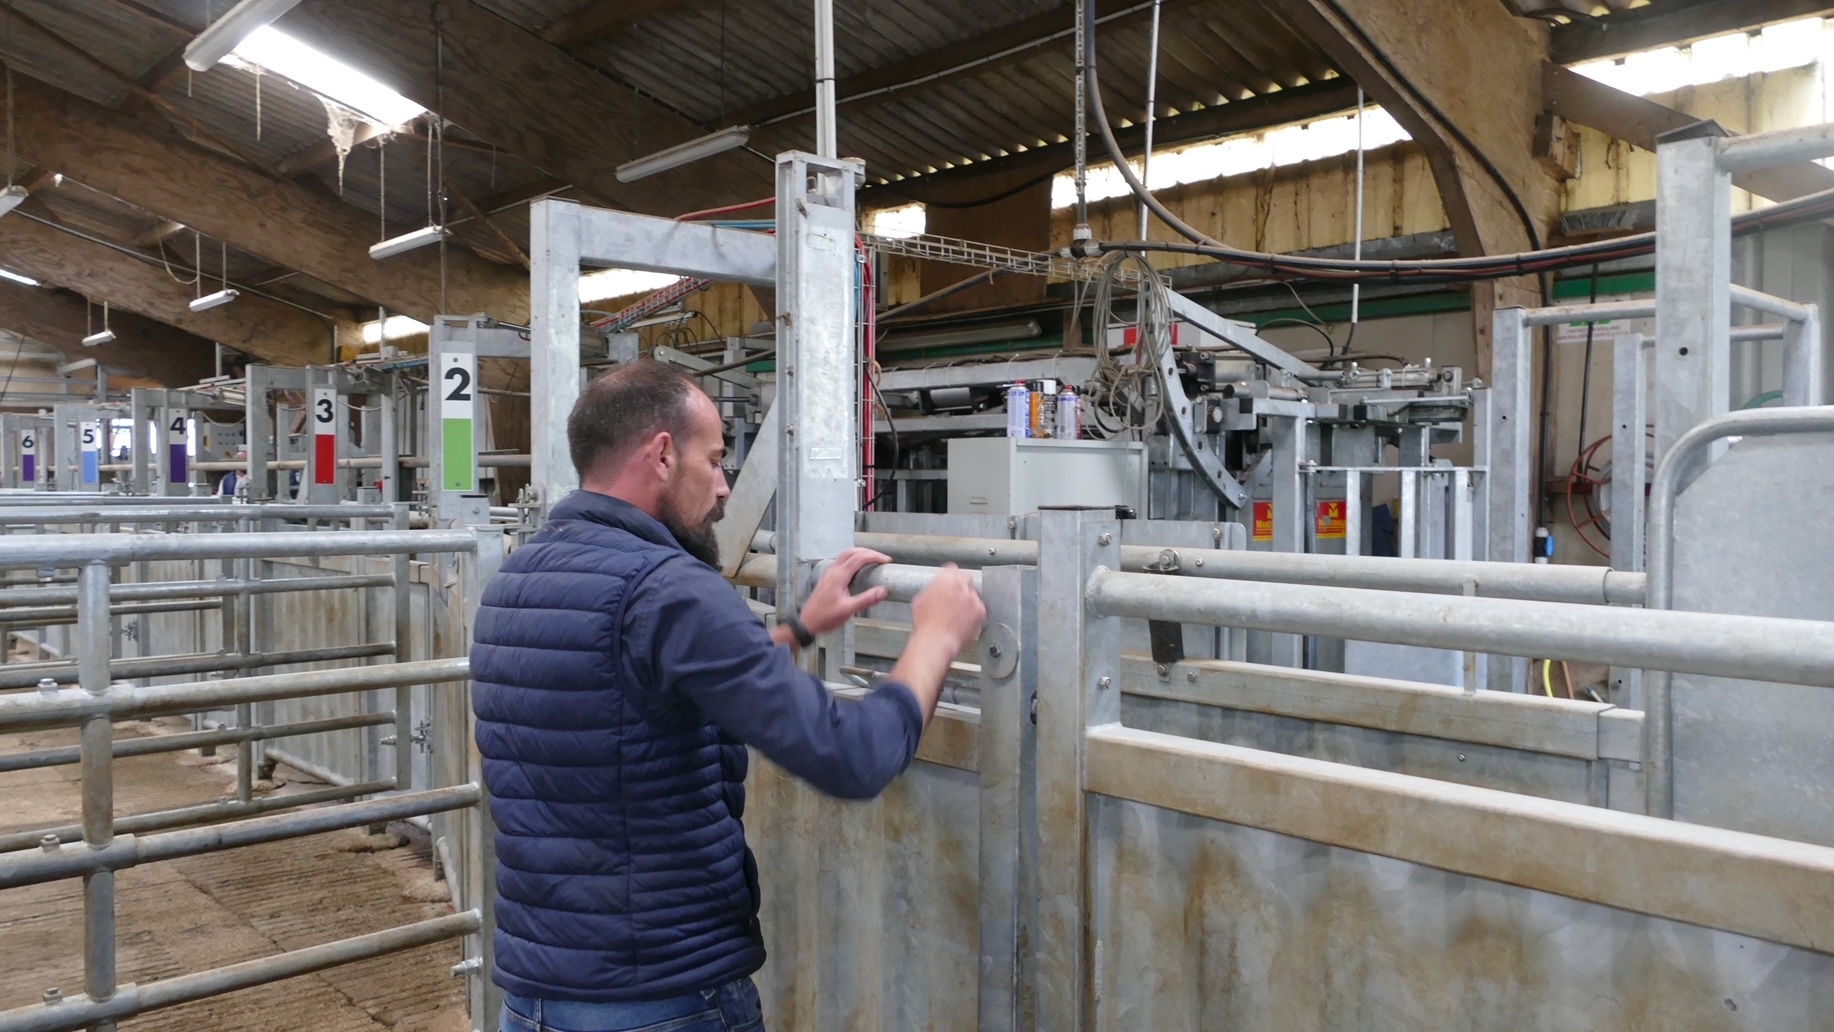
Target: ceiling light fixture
(102, 336)
(12, 197)
(16, 278)
(684, 154)
(227, 32)
(407, 242)
(209, 301)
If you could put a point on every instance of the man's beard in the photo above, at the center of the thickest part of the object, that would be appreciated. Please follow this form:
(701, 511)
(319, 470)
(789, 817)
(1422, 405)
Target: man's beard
(696, 537)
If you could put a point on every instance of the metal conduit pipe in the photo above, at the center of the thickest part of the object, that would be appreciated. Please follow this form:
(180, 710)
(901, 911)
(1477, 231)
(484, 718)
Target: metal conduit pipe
(80, 1012)
(205, 813)
(1603, 311)
(1582, 585)
(76, 859)
(50, 551)
(1759, 648)
(486, 459)
(25, 675)
(1681, 463)
(66, 707)
(23, 596)
(154, 744)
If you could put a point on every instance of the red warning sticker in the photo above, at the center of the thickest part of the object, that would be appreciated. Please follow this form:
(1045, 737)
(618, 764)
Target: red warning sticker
(1264, 521)
(1329, 522)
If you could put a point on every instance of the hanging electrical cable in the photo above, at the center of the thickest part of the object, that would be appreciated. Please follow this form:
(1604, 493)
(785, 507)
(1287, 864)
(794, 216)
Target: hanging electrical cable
(1803, 209)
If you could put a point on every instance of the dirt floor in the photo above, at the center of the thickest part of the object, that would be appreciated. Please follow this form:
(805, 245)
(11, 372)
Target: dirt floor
(201, 912)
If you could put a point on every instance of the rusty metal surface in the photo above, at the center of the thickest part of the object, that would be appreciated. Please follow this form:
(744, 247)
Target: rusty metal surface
(1218, 926)
(881, 930)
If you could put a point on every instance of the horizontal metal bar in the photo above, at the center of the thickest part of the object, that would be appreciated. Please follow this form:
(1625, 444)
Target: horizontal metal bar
(129, 1000)
(203, 813)
(1768, 888)
(1586, 585)
(53, 616)
(70, 706)
(25, 675)
(1604, 311)
(1769, 304)
(1752, 647)
(1532, 723)
(903, 582)
(128, 850)
(190, 513)
(1761, 331)
(154, 744)
(1581, 585)
(48, 551)
(1778, 147)
(150, 590)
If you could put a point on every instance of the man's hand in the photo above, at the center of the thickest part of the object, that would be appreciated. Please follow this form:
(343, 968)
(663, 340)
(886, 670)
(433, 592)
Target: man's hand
(833, 602)
(945, 617)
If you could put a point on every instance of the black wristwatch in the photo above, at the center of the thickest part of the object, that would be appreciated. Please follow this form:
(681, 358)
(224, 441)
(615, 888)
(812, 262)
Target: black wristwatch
(804, 638)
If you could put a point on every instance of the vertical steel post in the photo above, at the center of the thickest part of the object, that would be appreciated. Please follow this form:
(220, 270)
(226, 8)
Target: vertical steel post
(1693, 282)
(258, 429)
(1288, 435)
(388, 478)
(141, 412)
(1080, 688)
(403, 569)
(1008, 747)
(1629, 421)
(1803, 371)
(1510, 463)
(818, 378)
(554, 356)
(92, 657)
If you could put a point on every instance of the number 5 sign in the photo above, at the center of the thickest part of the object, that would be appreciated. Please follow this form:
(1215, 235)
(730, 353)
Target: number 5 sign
(457, 412)
(324, 435)
(90, 443)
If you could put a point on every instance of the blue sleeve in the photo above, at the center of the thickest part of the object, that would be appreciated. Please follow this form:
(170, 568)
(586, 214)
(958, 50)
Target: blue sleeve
(689, 635)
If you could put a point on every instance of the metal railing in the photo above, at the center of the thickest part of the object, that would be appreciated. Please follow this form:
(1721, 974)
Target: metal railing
(103, 844)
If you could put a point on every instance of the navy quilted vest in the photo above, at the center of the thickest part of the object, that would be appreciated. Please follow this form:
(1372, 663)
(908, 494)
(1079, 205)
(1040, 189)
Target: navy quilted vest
(622, 870)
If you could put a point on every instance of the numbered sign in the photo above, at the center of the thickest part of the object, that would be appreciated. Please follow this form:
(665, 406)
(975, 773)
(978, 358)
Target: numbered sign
(28, 456)
(90, 443)
(324, 435)
(178, 460)
(457, 412)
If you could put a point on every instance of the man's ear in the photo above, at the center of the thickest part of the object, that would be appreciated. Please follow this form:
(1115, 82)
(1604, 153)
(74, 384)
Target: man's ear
(666, 457)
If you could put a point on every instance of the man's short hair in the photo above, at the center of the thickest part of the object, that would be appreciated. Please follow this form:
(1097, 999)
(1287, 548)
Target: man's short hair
(625, 407)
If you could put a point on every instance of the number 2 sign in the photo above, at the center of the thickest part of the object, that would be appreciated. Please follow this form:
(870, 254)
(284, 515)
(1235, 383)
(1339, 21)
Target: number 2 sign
(457, 412)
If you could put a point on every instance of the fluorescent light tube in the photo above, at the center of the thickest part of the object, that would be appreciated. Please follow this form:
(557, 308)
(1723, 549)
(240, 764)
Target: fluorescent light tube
(222, 35)
(12, 197)
(684, 154)
(16, 278)
(209, 301)
(98, 339)
(406, 242)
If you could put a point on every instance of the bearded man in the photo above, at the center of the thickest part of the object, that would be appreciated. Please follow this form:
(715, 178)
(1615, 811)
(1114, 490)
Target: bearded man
(618, 680)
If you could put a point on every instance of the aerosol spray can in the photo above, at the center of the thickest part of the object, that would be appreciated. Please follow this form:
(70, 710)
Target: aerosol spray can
(1018, 411)
(1069, 415)
(1044, 408)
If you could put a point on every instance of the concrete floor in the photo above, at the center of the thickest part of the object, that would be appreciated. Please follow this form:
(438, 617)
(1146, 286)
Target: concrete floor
(207, 911)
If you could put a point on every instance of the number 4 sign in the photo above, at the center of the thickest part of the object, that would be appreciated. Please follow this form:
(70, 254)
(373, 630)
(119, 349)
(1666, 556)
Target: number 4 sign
(324, 435)
(457, 412)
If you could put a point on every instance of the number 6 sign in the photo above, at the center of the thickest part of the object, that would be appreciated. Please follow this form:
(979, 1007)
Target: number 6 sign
(28, 456)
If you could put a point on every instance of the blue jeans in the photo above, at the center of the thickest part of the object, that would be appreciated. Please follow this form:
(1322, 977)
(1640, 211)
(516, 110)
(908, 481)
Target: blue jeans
(733, 1007)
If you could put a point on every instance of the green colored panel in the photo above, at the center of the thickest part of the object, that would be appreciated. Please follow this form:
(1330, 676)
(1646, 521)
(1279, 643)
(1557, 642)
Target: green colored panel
(460, 457)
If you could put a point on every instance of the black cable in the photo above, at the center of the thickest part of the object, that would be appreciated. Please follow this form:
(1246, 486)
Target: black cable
(1426, 103)
(1585, 389)
(1314, 327)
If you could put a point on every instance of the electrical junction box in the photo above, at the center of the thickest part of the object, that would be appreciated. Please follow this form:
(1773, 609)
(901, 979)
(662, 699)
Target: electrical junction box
(1011, 476)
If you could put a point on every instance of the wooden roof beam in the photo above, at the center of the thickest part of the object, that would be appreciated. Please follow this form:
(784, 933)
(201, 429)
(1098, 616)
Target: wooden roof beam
(598, 19)
(531, 99)
(143, 348)
(283, 222)
(268, 330)
(1639, 120)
